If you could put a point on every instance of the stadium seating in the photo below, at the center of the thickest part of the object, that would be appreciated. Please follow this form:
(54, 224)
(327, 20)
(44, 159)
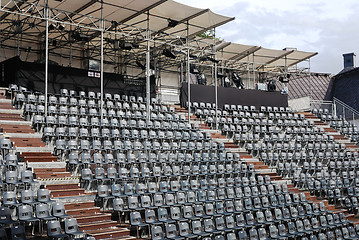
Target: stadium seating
(169, 179)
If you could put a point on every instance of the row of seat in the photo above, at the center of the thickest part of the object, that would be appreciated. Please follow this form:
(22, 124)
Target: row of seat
(220, 175)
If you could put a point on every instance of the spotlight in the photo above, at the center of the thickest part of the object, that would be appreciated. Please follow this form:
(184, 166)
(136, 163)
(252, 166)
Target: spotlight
(212, 60)
(125, 45)
(192, 56)
(168, 53)
(17, 26)
(193, 69)
(114, 23)
(79, 36)
(32, 25)
(201, 79)
(283, 80)
(61, 27)
(111, 41)
(51, 27)
(271, 86)
(172, 23)
(237, 80)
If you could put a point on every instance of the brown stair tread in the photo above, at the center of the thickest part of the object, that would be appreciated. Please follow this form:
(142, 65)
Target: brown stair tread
(77, 205)
(73, 186)
(29, 154)
(47, 170)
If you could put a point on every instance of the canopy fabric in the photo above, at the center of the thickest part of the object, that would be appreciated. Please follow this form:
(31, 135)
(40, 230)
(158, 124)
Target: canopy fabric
(262, 58)
(131, 18)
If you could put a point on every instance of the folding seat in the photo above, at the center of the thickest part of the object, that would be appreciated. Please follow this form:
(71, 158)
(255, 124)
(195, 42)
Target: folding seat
(54, 230)
(136, 221)
(197, 229)
(72, 228)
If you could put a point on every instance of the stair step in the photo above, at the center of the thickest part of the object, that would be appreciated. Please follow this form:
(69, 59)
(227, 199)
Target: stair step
(16, 128)
(79, 205)
(36, 154)
(40, 159)
(97, 225)
(53, 175)
(86, 216)
(52, 187)
(67, 193)
(109, 233)
(27, 142)
(49, 170)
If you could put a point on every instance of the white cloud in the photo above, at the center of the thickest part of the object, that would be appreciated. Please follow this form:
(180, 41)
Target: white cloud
(325, 26)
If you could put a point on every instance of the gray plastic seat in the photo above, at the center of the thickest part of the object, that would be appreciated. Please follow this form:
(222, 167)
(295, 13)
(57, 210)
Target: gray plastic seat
(54, 230)
(72, 228)
(58, 210)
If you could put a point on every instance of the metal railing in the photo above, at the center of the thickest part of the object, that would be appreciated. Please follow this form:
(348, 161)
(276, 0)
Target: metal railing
(337, 108)
(320, 104)
(348, 113)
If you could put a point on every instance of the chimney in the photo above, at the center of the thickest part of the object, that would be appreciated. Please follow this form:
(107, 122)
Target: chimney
(349, 60)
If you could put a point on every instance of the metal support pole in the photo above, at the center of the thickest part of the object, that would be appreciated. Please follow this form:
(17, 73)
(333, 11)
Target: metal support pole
(148, 86)
(188, 77)
(46, 54)
(248, 73)
(254, 72)
(215, 75)
(102, 29)
(286, 74)
(310, 82)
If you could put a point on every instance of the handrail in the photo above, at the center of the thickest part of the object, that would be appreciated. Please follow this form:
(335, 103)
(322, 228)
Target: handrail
(345, 105)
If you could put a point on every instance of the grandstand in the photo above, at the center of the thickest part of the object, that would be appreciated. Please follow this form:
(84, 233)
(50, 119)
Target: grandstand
(137, 144)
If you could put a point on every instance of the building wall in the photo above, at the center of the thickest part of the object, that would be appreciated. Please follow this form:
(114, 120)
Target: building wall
(346, 88)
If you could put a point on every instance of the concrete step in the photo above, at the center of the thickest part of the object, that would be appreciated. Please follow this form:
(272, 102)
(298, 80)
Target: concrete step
(34, 149)
(114, 232)
(86, 215)
(2, 100)
(47, 165)
(9, 110)
(23, 135)
(12, 122)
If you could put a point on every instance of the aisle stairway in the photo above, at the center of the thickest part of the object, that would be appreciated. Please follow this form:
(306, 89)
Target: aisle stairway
(266, 170)
(331, 132)
(51, 173)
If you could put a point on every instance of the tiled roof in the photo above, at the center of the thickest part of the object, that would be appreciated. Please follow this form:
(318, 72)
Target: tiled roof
(319, 85)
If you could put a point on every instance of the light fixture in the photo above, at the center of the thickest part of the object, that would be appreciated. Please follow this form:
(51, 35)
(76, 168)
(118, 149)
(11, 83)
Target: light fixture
(237, 80)
(51, 27)
(166, 52)
(172, 23)
(61, 27)
(125, 45)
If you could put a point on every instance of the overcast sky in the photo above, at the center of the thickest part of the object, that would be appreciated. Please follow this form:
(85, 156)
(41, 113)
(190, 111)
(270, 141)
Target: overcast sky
(329, 27)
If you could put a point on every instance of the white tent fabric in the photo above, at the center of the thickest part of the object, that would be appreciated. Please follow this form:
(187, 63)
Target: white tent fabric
(130, 14)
